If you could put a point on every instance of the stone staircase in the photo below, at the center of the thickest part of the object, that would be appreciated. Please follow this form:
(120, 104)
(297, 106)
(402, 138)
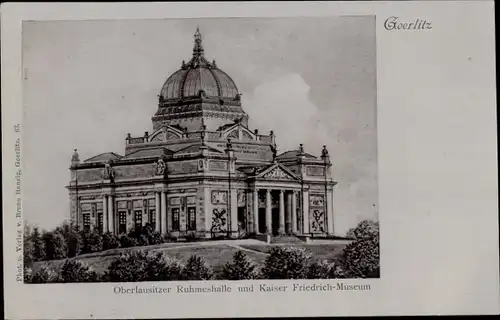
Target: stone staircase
(286, 239)
(279, 239)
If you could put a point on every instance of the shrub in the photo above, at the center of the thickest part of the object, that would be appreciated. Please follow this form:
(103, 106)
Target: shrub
(146, 235)
(129, 267)
(142, 240)
(55, 246)
(28, 275)
(45, 275)
(155, 238)
(127, 241)
(196, 269)
(366, 229)
(140, 235)
(77, 271)
(92, 242)
(286, 263)
(240, 268)
(110, 241)
(162, 268)
(321, 270)
(142, 266)
(361, 259)
(338, 272)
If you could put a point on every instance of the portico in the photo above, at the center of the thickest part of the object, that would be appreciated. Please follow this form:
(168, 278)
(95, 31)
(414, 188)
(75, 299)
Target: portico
(285, 213)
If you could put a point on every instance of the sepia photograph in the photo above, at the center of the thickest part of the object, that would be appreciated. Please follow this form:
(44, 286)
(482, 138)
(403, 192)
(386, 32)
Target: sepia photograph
(200, 149)
(159, 158)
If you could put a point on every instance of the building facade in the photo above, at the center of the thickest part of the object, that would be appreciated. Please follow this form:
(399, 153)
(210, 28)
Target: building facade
(203, 172)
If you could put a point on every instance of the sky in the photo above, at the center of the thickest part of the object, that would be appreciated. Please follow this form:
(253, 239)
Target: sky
(311, 80)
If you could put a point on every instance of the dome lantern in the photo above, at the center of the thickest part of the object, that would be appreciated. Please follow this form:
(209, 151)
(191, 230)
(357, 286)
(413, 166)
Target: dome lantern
(199, 74)
(198, 90)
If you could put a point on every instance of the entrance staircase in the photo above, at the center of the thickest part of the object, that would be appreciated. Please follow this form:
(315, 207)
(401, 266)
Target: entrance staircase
(284, 239)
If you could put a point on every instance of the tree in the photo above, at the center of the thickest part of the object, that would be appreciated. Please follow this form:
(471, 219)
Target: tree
(366, 229)
(196, 269)
(72, 238)
(361, 258)
(141, 266)
(286, 263)
(55, 246)
(28, 247)
(321, 270)
(77, 271)
(38, 244)
(240, 268)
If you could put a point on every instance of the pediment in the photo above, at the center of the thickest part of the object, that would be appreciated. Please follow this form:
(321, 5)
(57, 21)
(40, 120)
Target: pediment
(165, 133)
(277, 172)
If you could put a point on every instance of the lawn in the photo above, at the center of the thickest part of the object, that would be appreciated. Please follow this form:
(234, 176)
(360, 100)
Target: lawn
(319, 252)
(215, 254)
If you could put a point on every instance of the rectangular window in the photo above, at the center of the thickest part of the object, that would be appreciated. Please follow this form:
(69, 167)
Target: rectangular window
(152, 217)
(191, 220)
(86, 222)
(138, 219)
(122, 222)
(175, 219)
(100, 224)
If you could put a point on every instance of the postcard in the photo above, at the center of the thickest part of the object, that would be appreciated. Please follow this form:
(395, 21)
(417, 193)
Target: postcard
(187, 160)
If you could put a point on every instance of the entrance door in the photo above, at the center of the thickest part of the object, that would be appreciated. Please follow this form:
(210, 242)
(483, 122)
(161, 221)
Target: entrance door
(242, 223)
(275, 216)
(262, 220)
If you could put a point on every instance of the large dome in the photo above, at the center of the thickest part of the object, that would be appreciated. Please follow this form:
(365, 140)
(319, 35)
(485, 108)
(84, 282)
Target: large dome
(199, 75)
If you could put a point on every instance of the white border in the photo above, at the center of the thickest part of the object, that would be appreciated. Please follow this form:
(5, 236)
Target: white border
(437, 168)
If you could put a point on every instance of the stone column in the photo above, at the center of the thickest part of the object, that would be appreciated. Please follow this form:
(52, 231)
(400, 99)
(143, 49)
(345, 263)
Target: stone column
(208, 212)
(256, 210)
(269, 221)
(305, 211)
(105, 227)
(294, 212)
(329, 213)
(234, 212)
(163, 207)
(111, 211)
(281, 229)
(157, 212)
(288, 225)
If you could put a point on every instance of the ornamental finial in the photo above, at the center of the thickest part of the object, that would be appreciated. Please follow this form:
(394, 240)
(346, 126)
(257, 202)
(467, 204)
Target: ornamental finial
(198, 47)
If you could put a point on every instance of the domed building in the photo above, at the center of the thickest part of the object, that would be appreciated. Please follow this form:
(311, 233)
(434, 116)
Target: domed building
(203, 172)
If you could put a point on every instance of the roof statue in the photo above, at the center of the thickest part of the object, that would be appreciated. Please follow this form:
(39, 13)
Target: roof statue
(301, 148)
(75, 158)
(108, 173)
(324, 152)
